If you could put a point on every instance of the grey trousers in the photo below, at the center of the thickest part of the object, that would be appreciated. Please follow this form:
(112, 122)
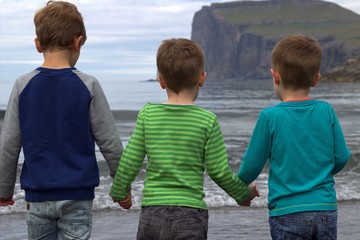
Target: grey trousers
(172, 223)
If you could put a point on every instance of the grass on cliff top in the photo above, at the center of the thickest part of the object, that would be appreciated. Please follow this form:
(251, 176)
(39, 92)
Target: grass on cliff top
(286, 12)
(342, 32)
(315, 19)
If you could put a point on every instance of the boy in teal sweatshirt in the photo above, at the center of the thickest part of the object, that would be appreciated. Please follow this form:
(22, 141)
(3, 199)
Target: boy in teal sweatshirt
(302, 139)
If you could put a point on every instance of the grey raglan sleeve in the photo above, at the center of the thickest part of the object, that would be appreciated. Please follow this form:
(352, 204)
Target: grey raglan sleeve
(104, 129)
(10, 145)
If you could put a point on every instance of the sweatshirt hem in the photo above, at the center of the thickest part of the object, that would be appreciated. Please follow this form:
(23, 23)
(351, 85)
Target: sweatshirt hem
(60, 194)
(303, 208)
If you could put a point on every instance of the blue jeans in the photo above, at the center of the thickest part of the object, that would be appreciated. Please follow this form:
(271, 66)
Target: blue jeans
(52, 220)
(175, 223)
(305, 225)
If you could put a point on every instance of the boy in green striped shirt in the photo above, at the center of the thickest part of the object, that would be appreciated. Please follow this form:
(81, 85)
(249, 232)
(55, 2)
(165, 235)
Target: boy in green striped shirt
(180, 141)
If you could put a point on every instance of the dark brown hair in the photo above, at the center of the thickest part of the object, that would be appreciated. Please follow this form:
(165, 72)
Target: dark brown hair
(58, 24)
(180, 63)
(297, 59)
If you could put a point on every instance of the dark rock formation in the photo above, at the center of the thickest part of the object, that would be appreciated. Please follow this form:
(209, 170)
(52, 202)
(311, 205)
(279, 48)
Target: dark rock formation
(238, 37)
(350, 72)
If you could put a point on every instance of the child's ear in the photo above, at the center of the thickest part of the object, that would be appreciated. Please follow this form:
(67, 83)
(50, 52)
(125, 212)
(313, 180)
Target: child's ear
(275, 76)
(161, 82)
(202, 79)
(37, 45)
(77, 43)
(318, 76)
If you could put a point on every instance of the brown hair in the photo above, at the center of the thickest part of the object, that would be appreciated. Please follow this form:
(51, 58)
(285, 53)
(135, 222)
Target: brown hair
(297, 59)
(180, 63)
(58, 24)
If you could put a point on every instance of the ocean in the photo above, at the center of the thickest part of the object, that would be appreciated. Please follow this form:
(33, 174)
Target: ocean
(237, 105)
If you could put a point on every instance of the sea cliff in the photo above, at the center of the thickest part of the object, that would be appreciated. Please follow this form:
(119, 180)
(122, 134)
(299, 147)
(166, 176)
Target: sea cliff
(238, 37)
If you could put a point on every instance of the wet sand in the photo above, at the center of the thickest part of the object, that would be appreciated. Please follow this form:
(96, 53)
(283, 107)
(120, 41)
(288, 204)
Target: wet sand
(224, 223)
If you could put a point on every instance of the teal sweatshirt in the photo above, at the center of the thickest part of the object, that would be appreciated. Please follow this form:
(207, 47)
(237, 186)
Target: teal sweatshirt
(305, 147)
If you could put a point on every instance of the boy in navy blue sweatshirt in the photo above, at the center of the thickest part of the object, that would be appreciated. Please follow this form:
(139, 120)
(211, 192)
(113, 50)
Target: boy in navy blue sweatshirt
(56, 114)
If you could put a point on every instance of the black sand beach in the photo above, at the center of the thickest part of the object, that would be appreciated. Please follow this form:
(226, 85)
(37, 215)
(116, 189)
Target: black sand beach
(224, 223)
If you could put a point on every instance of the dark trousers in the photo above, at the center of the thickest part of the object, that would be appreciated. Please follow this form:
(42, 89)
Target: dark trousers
(172, 223)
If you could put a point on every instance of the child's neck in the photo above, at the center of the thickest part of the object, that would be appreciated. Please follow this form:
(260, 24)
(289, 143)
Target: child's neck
(291, 96)
(182, 98)
(179, 101)
(296, 99)
(57, 59)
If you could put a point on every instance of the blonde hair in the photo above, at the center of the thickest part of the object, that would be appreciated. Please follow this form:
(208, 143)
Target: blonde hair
(180, 63)
(58, 24)
(297, 59)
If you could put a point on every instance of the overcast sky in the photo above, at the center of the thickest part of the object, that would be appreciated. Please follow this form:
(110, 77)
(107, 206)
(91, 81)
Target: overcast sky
(123, 35)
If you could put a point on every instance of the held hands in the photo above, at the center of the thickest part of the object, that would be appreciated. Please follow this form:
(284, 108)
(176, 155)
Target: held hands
(254, 192)
(126, 203)
(6, 201)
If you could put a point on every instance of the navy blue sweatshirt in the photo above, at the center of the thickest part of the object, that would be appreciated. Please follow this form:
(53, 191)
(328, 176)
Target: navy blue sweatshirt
(57, 115)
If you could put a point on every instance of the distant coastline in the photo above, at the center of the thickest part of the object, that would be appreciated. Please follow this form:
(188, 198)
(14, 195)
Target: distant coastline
(149, 80)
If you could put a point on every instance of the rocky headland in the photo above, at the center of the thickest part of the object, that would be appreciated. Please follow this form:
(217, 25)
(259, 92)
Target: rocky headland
(238, 37)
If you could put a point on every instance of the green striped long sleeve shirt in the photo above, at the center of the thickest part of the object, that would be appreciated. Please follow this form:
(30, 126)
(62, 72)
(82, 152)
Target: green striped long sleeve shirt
(180, 141)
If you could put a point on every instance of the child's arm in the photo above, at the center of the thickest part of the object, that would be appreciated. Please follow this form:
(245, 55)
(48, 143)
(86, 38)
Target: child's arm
(257, 152)
(104, 128)
(130, 163)
(217, 166)
(341, 151)
(6, 201)
(10, 147)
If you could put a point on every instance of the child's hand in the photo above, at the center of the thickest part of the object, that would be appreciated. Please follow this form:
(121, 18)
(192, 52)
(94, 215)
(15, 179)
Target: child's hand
(126, 203)
(6, 201)
(254, 192)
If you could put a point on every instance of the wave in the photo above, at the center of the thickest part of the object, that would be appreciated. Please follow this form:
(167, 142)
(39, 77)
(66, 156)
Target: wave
(347, 190)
